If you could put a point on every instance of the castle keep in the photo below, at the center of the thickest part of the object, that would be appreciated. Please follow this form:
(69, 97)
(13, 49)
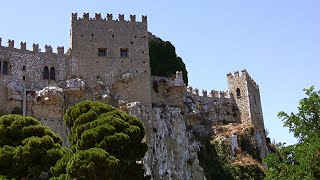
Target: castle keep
(108, 61)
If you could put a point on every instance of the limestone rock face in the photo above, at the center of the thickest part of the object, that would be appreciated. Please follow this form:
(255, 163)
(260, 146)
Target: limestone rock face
(14, 91)
(75, 89)
(51, 95)
(174, 153)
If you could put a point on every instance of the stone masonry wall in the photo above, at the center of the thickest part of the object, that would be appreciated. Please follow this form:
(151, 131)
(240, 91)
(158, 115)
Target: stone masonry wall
(26, 69)
(128, 76)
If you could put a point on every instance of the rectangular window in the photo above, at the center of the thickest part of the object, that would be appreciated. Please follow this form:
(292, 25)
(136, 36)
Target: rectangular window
(123, 52)
(102, 52)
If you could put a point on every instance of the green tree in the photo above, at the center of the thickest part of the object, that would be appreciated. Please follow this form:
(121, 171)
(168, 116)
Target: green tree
(302, 160)
(105, 143)
(164, 60)
(27, 148)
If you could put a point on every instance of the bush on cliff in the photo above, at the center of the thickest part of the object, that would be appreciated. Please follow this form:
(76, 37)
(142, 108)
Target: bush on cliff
(164, 60)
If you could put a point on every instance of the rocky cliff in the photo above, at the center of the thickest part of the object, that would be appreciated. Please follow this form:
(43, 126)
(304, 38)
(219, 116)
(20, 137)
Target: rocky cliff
(189, 136)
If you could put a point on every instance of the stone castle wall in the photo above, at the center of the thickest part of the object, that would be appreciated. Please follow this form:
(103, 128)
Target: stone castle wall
(25, 71)
(96, 69)
(127, 75)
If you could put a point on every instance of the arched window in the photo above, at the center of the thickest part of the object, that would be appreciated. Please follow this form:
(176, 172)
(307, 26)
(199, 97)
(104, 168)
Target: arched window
(238, 92)
(46, 73)
(52, 73)
(5, 68)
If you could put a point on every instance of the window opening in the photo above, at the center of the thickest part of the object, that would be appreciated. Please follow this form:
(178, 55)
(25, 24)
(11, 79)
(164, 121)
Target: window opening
(238, 92)
(255, 100)
(52, 73)
(46, 73)
(5, 68)
(102, 52)
(123, 52)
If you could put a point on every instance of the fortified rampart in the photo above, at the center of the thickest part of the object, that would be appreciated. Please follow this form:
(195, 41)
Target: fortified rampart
(109, 61)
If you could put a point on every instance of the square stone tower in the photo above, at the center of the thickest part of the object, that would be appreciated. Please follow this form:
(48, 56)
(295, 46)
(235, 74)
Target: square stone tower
(113, 51)
(246, 93)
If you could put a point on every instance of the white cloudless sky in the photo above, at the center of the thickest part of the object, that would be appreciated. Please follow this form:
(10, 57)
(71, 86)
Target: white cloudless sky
(278, 42)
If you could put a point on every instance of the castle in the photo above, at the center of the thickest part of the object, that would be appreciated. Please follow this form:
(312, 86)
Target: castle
(109, 61)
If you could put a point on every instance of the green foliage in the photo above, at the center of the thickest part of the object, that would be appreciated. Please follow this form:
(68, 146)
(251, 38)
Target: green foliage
(214, 157)
(27, 148)
(302, 160)
(105, 143)
(217, 162)
(94, 163)
(164, 60)
(247, 143)
(306, 123)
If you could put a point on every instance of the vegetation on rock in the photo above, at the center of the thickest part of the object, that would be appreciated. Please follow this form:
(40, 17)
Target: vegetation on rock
(302, 160)
(218, 160)
(27, 148)
(164, 60)
(105, 143)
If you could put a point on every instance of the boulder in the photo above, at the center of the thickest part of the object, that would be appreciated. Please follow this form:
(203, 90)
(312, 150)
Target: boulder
(50, 95)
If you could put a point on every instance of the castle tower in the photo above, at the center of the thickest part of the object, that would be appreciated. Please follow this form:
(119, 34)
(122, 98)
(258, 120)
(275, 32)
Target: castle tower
(114, 51)
(246, 94)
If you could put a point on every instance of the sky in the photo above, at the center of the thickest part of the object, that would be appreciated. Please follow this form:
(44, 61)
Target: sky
(277, 42)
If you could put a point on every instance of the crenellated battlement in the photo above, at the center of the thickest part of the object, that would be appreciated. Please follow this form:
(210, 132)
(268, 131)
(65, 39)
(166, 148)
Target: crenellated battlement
(109, 17)
(35, 47)
(212, 94)
(244, 75)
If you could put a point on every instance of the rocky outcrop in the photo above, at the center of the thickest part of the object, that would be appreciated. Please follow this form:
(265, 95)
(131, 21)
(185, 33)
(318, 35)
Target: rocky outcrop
(172, 150)
(14, 91)
(74, 87)
(51, 95)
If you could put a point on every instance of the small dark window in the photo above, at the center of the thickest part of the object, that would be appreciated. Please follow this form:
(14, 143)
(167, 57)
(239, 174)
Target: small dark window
(23, 68)
(5, 68)
(52, 73)
(23, 77)
(113, 36)
(102, 52)
(131, 42)
(123, 52)
(255, 100)
(46, 73)
(238, 92)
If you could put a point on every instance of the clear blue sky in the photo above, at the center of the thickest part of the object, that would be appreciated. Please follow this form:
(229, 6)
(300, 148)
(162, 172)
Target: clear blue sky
(278, 42)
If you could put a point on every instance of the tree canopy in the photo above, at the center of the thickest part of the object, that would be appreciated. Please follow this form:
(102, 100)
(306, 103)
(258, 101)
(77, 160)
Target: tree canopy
(27, 148)
(302, 160)
(105, 143)
(164, 60)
